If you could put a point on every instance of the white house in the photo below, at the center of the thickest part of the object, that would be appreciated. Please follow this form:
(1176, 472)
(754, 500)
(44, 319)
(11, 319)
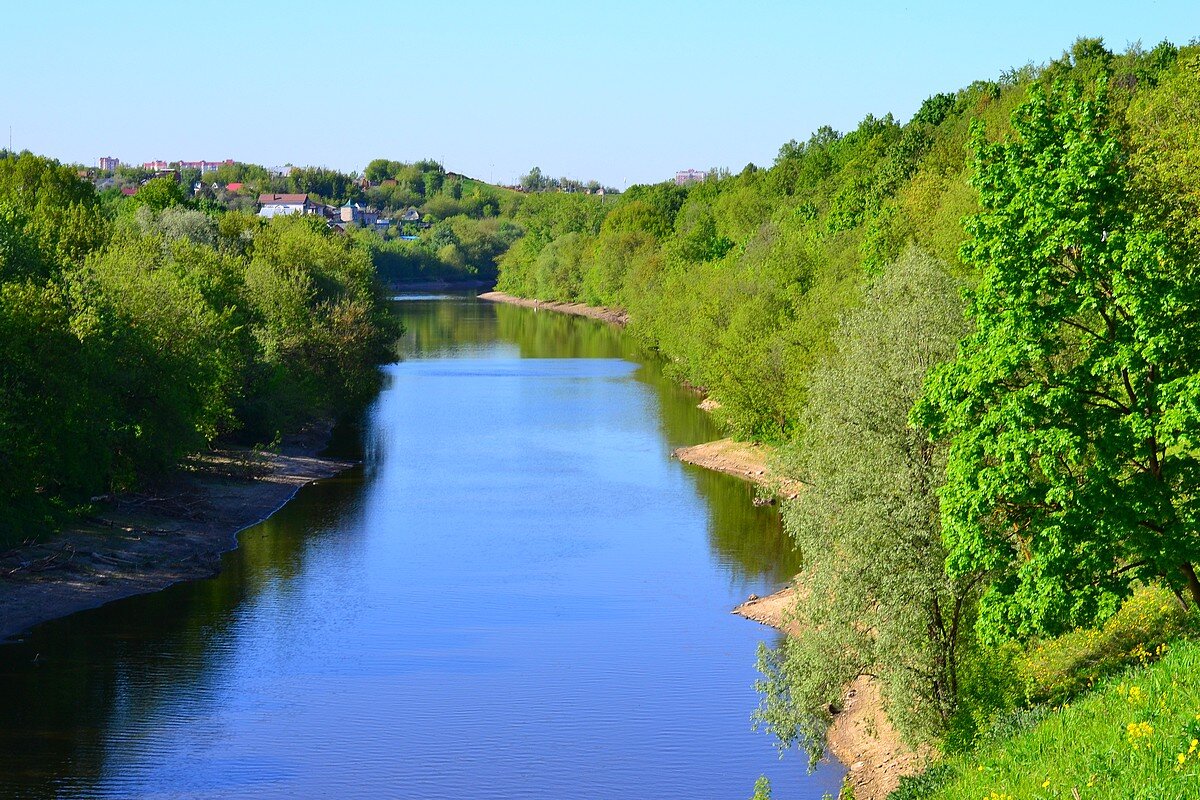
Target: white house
(277, 205)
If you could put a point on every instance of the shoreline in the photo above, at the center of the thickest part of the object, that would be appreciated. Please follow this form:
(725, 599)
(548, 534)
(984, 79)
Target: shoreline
(438, 285)
(860, 734)
(613, 316)
(140, 543)
(746, 460)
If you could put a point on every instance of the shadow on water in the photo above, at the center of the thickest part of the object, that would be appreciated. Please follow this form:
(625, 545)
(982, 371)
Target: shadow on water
(86, 693)
(69, 681)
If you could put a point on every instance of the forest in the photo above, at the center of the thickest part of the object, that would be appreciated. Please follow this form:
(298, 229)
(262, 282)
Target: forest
(974, 336)
(140, 330)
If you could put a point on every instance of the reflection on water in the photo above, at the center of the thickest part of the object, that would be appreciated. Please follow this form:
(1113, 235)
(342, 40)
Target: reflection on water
(518, 594)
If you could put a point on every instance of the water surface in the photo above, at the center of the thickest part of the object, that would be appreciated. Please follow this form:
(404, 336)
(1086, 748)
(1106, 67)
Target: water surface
(517, 595)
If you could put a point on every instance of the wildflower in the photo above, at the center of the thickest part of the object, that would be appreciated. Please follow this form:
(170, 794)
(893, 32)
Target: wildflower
(1045, 783)
(1136, 731)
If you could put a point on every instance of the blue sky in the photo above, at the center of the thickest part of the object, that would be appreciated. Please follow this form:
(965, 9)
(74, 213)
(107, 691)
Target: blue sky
(622, 92)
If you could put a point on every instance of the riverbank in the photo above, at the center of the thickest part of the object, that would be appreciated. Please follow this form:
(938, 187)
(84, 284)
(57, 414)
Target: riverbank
(439, 285)
(613, 316)
(860, 736)
(145, 542)
(746, 460)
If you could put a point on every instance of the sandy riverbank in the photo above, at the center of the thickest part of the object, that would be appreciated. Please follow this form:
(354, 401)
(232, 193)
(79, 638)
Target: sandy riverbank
(143, 543)
(860, 736)
(614, 316)
(745, 460)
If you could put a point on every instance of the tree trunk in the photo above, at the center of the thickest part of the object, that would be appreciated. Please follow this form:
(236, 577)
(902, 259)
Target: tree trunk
(1192, 581)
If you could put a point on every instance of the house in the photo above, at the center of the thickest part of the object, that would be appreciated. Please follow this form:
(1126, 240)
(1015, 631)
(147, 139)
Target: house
(358, 215)
(410, 215)
(129, 191)
(233, 187)
(278, 205)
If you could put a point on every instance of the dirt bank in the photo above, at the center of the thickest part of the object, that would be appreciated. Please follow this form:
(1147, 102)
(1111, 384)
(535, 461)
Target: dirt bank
(861, 736)
(745, 460)
(145, 542)
(614, 316)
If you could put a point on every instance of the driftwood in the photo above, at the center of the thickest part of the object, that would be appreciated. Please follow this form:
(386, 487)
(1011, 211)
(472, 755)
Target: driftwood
(54, 560)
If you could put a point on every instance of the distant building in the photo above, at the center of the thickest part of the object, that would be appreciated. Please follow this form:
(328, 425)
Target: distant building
(357, 214)
(108, 163)
(156, 166)
(686, 176)
(278, 205)
(233, 187)
(206, 166)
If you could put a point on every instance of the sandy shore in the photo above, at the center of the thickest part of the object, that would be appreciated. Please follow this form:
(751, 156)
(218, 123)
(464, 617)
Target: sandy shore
(745, 460)
(860, 736)
(614, 316)
(143, 543)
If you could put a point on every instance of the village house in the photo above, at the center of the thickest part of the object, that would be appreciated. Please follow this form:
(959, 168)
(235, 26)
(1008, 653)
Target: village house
(358, 215)
(278, 205)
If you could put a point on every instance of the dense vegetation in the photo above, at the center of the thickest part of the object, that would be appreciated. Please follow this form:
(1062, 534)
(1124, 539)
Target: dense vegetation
(975, 336)
(139, 330)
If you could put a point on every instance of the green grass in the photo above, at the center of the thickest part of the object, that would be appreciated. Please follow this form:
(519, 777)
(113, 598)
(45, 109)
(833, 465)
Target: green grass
(1123, 740)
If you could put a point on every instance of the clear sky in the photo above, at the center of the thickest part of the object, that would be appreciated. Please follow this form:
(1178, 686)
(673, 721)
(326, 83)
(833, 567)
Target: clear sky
(622, 92)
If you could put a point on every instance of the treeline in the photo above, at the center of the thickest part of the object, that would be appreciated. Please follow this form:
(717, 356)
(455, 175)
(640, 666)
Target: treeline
(459, 228)
(137, 331)
(974, 335)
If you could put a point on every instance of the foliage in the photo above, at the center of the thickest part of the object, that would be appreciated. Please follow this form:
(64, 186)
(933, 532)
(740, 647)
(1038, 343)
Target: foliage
(1058, 669)
(875, 597)
(134, 341)
(1072, 410)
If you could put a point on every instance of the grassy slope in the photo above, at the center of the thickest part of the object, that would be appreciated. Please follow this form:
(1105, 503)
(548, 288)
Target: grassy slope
(1088, 749)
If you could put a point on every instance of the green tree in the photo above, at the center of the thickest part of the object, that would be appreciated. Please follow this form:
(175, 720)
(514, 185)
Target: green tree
(159, 193)
(1073, 410)
(876, 596)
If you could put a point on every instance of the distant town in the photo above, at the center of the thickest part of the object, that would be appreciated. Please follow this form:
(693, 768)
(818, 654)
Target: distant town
(238, 185)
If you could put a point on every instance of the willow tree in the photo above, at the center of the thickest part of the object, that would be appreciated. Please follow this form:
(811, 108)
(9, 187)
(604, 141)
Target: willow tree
(1073, 409)
(876, 598)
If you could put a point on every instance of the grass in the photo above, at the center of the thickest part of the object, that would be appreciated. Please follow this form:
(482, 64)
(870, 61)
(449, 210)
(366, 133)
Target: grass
(1136, 736)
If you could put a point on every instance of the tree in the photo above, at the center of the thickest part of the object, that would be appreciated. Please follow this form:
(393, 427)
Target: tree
(159, 193)
(1073, 410)
(533, 181)
(876, 596)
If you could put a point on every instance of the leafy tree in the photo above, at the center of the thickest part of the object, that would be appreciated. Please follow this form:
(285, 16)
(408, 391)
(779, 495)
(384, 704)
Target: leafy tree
(533, 180)
(1073, 410)
(876, 597)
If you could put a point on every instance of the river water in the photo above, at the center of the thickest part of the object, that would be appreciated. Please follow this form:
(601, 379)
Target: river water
(517, 595)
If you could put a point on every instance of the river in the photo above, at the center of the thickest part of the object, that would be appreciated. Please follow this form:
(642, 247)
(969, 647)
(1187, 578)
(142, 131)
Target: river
(518, 594)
